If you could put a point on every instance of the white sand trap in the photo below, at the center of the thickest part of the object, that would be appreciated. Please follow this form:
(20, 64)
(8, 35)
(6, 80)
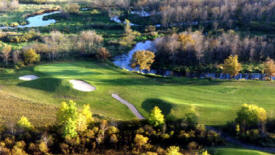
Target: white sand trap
(28, 77)
(82, 86)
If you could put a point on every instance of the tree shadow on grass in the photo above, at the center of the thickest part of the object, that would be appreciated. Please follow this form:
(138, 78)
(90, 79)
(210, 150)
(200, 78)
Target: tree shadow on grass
(46, 84)
(165, 107)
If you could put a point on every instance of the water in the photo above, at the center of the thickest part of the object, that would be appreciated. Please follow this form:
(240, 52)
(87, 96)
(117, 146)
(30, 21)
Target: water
(141, 13)
(36, 21)
(117, 20)
(124, 61)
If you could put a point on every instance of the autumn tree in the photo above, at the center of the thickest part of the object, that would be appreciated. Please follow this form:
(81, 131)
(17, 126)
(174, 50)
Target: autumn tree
(140, 141)
(72, 8)
(5, 52)
(156, 117)
(143, 59)
(89, 42)
(73, 121)
(269, 67)
(173, 150)
(231, 66)
(67, 117)
(251, 115)
(30, 56)
(129, 35)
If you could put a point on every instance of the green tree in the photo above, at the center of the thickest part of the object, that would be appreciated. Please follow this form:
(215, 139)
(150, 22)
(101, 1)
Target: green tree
(156, 117)
(25, 123)
(269, 67)
(251, 115)
(231, 66)
(30, 56)
(143, 59)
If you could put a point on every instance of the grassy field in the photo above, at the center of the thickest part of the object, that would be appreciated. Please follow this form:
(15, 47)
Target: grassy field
(216, 102)
(235, 151)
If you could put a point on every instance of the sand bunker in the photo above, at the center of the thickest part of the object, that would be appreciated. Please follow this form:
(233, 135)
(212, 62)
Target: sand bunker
(28, 77)
(82, 86)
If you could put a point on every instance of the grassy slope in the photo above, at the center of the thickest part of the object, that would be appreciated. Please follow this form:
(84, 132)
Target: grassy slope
(215, 101)
(235, 151)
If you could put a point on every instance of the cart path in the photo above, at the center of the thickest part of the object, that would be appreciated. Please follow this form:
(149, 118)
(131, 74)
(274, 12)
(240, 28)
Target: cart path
(129, 105)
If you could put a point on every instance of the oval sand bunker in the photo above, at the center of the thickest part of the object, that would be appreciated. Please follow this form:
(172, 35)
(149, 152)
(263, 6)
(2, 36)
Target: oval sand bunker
(82, 86)
(28, 77)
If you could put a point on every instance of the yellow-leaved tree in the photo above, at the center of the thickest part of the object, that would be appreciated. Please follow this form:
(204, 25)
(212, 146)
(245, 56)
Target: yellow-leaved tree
(5, 52)
(173, 150)
(231, 66)
(269, 67)
(140, 141)
(156, 117)
(73, 121)
(30, 56)
(143, 59)
(251, 115)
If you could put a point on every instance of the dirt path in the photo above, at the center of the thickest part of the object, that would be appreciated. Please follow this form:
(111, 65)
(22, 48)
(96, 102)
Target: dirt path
(237, 142)
(129, 105)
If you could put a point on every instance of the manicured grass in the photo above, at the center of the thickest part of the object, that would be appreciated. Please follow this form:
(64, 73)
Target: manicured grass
(236, 151)
(215, 101)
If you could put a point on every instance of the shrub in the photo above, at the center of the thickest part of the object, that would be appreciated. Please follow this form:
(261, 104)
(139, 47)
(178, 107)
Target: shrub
(25, 123)
(103, 54)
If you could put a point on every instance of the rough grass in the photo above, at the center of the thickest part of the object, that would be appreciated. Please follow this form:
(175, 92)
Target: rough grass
(236, 151)
(12, 108)
(216, 102)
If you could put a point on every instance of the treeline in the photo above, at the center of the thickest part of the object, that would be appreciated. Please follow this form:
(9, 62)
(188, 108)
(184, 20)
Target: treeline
(223, 12)
(77, 132)
(8, 5)
(194, 48)
(55, 46)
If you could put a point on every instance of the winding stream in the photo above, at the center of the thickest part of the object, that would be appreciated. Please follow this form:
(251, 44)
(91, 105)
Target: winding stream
(35, 21)
(124, 61)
